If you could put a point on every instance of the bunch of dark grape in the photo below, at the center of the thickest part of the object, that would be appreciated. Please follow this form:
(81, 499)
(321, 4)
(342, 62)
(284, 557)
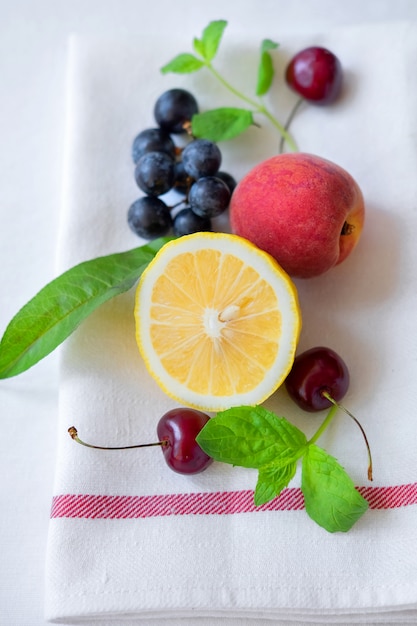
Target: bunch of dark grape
(193, 171)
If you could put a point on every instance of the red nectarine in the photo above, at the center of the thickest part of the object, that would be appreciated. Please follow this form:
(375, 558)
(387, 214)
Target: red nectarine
(306, 211)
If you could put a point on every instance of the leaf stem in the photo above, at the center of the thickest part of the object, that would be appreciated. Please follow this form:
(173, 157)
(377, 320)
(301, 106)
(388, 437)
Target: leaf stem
(330, 415)
(258, 108)
(230, 87)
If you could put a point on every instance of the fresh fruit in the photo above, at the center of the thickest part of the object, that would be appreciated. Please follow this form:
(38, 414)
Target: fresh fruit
(183, 181)
(155, 173)
(316, 374)
(201, 158)
(209, 196)
(316, 74)
(162, 167)
(306, 211)
(187, 222)
(149, 217)
(174, 110)
(217, 321)
(228, 179)
(178, 428)
(177, 431)
(253, 327)
(319, 379)
(152, 140)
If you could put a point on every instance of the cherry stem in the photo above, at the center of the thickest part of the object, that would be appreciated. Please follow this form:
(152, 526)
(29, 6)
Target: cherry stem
(291, 116)
(74, 435)
(330, 415)
(326, 395)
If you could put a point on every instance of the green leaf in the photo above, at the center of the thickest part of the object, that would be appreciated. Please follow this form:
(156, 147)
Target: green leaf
(221, 124)
(265, 68)
(56, 311)
(185, 63)
(271, 481)
(210, 40)
(251, 437)
(198, 46)
(331, 499)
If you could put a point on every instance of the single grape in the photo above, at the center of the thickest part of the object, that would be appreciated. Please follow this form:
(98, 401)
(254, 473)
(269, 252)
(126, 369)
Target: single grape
(209, 196)
(174, 110)
(179, 428)
(187, 222)
(152, 140)
(201, 157)
(314, 372)
(155, 173)
(149, 217)
(228, 179)
(183, 181)
(316, 74)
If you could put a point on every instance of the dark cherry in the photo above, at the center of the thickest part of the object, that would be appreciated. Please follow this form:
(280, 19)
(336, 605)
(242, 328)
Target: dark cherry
(316, 74)
(178, 428)
(316, 372)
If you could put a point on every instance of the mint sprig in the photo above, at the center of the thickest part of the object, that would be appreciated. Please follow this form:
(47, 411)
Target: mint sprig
(59, 307)
(257, 438)
(220, 124)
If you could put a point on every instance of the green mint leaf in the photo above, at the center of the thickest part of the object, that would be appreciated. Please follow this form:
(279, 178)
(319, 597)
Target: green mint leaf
(266, 68)
(185, 63)
(211, 38)
(221, 124)
(251, 437)
(331, 499)
(56, 311)
(271, 481)
(198, 46)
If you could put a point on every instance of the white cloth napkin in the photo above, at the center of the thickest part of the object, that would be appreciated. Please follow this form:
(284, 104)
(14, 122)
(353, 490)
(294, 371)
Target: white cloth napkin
(129, 539)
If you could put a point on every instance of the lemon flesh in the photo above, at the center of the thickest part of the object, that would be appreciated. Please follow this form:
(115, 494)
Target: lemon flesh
(217, 321)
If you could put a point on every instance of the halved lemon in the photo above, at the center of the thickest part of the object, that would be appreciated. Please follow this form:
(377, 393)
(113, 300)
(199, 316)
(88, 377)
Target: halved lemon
(217, 321)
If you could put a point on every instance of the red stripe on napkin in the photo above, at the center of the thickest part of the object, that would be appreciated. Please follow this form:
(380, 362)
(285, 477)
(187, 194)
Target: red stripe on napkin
(217, 503)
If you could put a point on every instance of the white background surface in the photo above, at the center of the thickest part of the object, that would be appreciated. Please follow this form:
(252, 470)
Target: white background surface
(33, 40)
